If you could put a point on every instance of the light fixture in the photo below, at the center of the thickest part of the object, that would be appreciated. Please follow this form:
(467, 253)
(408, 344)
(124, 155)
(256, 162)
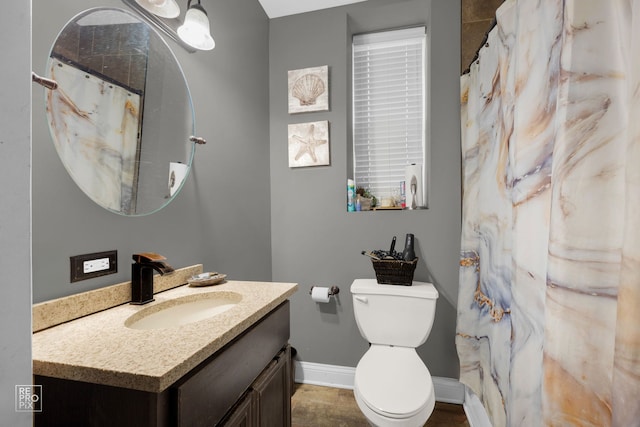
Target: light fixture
(195, 30)
(162, 8)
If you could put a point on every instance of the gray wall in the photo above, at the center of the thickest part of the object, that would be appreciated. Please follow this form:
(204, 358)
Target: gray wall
(221, 217)
(15, 208)
(314, 241)
(254, 218)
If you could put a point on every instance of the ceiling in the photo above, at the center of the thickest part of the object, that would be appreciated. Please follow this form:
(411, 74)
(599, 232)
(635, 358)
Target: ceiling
(277, 8)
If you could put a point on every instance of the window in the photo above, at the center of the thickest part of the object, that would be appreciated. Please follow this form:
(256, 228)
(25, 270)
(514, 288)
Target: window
(388, 109)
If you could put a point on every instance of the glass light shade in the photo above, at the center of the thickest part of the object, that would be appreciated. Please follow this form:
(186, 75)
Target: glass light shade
(195, 30)
(162, 8)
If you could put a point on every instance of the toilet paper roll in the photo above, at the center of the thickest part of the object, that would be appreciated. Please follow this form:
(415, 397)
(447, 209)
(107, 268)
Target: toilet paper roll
(320, 294)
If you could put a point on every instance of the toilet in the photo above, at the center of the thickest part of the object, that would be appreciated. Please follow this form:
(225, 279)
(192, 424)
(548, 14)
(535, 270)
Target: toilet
(392, 386)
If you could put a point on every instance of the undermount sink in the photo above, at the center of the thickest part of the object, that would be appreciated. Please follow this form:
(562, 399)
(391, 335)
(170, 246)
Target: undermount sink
(184, 310)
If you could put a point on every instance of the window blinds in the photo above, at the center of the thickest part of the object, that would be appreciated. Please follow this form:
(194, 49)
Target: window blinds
(388, 107)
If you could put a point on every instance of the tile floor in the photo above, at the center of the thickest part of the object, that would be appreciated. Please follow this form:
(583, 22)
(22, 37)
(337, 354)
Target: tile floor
(316, 406)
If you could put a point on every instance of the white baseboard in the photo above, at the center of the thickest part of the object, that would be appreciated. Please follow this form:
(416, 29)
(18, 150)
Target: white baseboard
(447, 389)
(325, 375)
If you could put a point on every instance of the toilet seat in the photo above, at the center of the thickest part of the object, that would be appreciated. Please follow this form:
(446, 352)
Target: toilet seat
(394, 382)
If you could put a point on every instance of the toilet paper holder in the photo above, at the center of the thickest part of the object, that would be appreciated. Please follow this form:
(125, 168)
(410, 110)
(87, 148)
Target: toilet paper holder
(334, 290)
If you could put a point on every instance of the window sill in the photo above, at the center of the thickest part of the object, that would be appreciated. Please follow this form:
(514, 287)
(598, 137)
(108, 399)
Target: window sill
(388, 208)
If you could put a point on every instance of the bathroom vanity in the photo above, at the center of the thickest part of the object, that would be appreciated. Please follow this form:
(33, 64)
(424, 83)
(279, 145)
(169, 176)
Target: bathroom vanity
(232, 368)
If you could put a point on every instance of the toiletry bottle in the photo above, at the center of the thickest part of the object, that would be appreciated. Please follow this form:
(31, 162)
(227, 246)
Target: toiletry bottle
(409, 253)
(351, 193)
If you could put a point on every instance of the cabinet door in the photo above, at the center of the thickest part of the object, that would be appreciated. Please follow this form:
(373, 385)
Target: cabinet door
(243, 414)
(210, 391)
(273, 392)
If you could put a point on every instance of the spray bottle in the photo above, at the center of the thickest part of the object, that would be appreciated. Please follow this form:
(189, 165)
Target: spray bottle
(351, 194)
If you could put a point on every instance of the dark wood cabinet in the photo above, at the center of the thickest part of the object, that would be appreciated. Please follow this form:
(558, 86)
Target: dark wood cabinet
(268, 402)
(246, 383)
(244, 413)
(273, 392)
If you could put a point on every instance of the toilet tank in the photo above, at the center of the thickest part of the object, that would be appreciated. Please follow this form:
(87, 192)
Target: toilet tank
(394, 314)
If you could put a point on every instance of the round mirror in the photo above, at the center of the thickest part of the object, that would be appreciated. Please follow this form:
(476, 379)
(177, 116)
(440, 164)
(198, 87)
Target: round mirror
(121, 117)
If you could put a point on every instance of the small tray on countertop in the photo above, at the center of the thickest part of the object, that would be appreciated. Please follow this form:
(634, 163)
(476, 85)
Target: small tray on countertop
(207, 279)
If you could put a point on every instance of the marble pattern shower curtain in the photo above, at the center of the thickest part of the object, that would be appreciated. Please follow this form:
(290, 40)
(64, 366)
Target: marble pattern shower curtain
(549, 305)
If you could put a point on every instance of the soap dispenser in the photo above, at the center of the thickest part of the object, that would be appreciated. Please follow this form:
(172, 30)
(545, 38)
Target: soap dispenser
(142, 275)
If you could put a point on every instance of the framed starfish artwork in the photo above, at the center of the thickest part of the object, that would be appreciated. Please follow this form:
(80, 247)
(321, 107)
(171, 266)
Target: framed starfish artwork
(309, 90)
(309, 144)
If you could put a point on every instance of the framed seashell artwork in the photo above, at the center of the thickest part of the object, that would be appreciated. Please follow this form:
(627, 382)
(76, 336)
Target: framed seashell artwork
(309, 144)
(309, 90)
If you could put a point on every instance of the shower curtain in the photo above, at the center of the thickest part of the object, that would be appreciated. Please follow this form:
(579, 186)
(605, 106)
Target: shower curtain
(548, 328)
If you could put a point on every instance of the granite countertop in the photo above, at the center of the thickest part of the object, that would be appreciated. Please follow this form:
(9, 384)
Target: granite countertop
(99, 348)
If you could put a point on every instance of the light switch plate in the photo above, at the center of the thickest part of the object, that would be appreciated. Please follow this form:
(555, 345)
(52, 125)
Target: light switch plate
(97, 264)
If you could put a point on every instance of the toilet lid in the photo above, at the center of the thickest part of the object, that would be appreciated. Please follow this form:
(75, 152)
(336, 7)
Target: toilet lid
(393, 381)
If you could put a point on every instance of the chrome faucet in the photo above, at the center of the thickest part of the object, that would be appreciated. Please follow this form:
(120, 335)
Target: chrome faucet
(142, 275)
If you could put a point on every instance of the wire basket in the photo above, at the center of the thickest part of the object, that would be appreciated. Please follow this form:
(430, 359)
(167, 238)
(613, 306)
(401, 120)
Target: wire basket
(394, 272)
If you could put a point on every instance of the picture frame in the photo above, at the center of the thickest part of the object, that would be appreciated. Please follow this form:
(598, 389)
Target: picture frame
(309, 144)
(308, 89)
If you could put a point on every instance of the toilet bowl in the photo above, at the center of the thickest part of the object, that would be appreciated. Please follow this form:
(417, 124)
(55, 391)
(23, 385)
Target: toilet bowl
(392, 385)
